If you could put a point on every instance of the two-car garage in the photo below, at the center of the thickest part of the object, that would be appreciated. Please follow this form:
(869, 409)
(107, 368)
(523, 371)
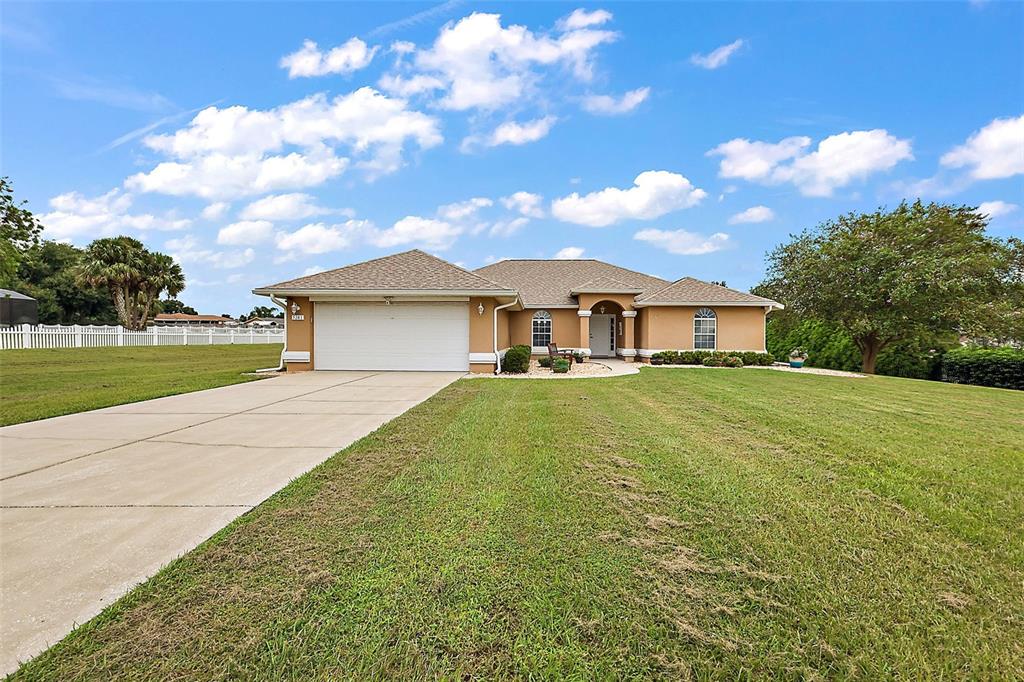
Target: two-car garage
(431, 336)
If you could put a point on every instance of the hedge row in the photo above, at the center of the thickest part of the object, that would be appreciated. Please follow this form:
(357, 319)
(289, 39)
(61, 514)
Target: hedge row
(702, 357)
(998, 367)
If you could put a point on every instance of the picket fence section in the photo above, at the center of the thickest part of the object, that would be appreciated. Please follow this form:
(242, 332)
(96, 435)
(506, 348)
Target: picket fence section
(82, 336)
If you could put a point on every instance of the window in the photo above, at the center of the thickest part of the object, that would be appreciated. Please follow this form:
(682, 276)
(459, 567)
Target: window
(704, 328)
(541, 329)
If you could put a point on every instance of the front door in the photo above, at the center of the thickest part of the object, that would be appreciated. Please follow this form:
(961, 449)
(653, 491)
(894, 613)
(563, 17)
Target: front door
(602, 336)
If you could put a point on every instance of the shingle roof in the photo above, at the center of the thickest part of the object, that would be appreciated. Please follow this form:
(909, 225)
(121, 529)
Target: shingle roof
(549, 282)
(410, 270)
(690, 290)
(606, 285)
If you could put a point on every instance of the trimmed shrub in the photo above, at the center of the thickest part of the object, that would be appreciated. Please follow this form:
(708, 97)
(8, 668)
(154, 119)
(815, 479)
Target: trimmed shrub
(712, 361)
(560, 366)
(517, 360)
(732, 361)
(752, 358)
(544, 361)
(998, 367)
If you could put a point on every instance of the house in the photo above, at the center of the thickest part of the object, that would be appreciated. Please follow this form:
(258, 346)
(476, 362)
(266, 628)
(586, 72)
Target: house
(184, 319)
(414, 311)
(264, 322)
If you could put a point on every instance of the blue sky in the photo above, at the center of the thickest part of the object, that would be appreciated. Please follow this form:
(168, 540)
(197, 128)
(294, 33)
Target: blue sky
(258, 142)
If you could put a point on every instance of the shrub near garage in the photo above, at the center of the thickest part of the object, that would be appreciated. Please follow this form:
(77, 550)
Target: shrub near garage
(997, 367)
(517, 360)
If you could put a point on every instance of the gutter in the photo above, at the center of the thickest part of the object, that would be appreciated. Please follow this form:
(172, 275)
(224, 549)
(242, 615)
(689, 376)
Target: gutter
(280, 364)
(497, 358)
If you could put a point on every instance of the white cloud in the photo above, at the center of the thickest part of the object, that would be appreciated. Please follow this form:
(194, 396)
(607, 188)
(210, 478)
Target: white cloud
(74, 215)
(409, 86)
(507, 228)
(216, 210)
(838, 160)
(310, 61)
(236, 151)
(292, 206)
(569, 253)
(607, 105)
(515, 133)
(717, 57)
(186, 249)
(654, 193)
(995, 209)
(526, 203)
(483, 65)
(754, 214)
(464, 209)
(363, 119)
(683, 243)
(245, 232)
(312, 270)
(995, 151)
(581, 18)
(219, 175)
(434, 234)
(318, 238)
(755, 160)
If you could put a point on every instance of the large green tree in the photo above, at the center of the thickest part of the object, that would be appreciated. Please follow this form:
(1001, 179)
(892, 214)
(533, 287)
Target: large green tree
(19, 231)
(916, 271)
(263, 311)
(47, 272)
(135, 276)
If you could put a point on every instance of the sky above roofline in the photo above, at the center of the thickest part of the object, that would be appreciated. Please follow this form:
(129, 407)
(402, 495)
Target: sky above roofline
(261, 142)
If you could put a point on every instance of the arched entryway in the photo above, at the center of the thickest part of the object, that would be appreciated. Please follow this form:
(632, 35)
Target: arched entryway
(605, 328)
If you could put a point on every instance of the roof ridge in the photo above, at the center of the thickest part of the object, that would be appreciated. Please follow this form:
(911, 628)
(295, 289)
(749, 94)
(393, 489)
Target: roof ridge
(457, 267)
(654, 294)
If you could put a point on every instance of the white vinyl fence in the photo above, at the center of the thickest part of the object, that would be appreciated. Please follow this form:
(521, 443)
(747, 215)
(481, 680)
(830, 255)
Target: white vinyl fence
(80, 336)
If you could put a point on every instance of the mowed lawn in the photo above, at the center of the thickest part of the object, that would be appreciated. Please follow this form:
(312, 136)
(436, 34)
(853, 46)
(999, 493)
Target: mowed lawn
(35, 384)
(679, 523)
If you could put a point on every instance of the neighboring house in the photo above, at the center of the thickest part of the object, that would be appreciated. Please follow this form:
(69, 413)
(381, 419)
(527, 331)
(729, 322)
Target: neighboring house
(184, 319)
(269, 322)
(414, 311)
(17, 308)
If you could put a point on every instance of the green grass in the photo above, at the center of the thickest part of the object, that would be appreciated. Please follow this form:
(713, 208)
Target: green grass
(678, 523)
(35, 384)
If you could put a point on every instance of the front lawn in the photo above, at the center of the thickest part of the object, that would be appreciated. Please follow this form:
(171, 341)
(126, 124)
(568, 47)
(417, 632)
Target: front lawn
(35, 384)
(677, 523)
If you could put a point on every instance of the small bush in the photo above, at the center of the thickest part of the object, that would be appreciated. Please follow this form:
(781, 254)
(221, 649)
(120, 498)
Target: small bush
(712, 361)
(661, 355)
(517, 360)
(544, 361)
(998, 367)
(560, 366)
(753, 358)
(732, 361)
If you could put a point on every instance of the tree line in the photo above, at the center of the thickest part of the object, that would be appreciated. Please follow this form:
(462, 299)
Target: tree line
(882, 291)
(113, 280)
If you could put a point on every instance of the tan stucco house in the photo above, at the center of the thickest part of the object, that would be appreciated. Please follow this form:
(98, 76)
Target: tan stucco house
(414, 311)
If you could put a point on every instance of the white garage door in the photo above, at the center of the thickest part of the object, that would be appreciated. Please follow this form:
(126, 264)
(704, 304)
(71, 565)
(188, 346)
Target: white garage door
(400, 336)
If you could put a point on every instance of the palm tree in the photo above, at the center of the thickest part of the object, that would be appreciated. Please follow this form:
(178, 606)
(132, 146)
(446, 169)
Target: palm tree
(134, 275)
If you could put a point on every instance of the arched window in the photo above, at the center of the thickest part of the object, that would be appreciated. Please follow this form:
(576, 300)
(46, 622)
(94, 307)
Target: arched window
(705, 326)
(541, 329)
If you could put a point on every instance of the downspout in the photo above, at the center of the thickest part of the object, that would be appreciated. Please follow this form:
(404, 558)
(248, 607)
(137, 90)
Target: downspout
(497, 358)
(280, 364)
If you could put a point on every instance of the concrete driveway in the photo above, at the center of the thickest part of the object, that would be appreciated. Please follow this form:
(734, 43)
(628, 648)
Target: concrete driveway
(92, 504)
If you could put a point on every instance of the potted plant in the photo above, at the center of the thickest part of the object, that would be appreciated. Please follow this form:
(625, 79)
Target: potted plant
(797, 356)
(560, 366)
(579, 356)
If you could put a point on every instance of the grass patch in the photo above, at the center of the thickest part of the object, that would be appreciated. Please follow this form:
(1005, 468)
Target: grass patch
(47, 383)
(697, 523)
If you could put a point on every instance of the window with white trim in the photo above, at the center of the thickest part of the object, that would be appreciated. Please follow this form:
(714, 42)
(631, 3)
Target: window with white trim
(541, 329)
(705, 327)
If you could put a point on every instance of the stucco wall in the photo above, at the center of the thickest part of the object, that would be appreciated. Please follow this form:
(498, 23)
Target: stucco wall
(565, 327)
(300, 332)
(670, 327)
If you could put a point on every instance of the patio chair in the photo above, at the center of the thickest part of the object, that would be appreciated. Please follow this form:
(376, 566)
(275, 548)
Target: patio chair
(554, 353)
